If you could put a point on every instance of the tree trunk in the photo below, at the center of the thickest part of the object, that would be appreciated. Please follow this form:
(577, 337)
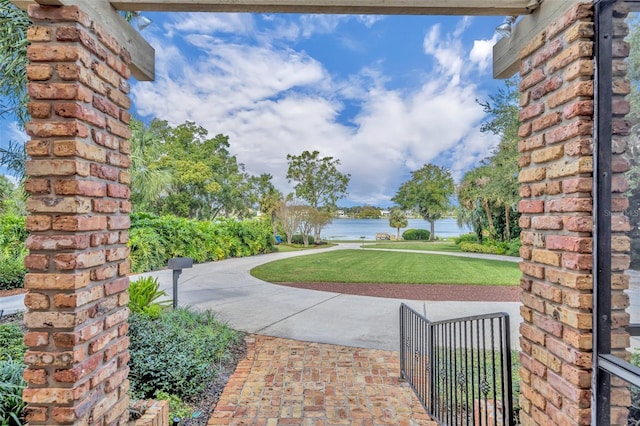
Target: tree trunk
(274, 223)
(507, 229)
(432, 224)
(316, 233)
(398, 235)
(487, 210)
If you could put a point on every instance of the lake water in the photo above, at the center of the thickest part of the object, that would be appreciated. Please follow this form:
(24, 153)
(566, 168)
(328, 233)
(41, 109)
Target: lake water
(354, 229)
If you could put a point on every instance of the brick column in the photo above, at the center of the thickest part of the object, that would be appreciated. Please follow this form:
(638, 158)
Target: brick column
(78, 219)
(557, 91)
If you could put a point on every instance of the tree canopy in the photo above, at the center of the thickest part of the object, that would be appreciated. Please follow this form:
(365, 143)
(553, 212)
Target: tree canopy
(427, 193)
(488, 194)
(317, 181)
(398, 219)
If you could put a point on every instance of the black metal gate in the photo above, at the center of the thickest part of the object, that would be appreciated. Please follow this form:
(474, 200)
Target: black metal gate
(460, 369)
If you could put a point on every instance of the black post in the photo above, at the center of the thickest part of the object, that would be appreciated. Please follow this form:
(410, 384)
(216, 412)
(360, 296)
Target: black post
(176, 274)
(178, 264)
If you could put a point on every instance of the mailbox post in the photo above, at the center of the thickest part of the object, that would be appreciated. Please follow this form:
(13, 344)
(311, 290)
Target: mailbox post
(177, 264)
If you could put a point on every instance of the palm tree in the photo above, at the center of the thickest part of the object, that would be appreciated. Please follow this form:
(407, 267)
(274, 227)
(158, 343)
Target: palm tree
(398, 219)
(148, 177)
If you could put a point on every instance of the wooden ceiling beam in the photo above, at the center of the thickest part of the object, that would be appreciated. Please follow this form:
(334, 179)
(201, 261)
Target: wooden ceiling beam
(142, 54)
(385, 7)
(506, 52)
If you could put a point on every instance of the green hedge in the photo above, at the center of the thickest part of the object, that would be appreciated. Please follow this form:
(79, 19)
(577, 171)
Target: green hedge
(156, 239)
(297, 239)
(416, 234)
(13, 235)
(510, 248)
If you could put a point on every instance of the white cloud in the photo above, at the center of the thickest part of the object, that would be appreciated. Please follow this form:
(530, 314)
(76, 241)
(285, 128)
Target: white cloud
(482, 52)
(274, 101)
(211, 23)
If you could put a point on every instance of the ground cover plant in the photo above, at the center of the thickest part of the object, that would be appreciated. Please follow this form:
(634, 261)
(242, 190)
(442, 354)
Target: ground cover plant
(447, 246)
(368, 266)
(11, 367)
(178, 355)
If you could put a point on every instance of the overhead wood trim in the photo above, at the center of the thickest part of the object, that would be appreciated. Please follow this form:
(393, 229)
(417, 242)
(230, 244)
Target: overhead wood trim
(142, 54)
(385, 7)
(506, 52)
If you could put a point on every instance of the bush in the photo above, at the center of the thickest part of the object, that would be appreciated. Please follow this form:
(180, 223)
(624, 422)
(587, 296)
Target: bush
(488, 246)
(12, 271)
(481, 248)
(466, 238)
(11, 386)
(177, 353)
(143, 297)
(154, 240)
(297, 239)
(416, 234)
(11, 343)
(13, 234)
(513, 248)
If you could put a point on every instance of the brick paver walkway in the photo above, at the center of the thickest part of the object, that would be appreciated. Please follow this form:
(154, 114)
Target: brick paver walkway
(288, 382)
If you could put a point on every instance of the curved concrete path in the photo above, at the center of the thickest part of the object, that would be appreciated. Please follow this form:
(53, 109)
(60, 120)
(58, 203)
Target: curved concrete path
(254, 306)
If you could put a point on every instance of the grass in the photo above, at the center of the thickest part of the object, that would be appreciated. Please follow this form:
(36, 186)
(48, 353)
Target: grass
(284, 247)
(447, 246)
(363, 266)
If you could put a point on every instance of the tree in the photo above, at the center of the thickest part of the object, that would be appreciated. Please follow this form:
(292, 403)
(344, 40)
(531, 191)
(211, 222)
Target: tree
(269, 198)
(427, 192)
(207, 181)
(149, 177)
(318, 180)
(398, 219)
(369, 212)
(14, 24)
(289, 216)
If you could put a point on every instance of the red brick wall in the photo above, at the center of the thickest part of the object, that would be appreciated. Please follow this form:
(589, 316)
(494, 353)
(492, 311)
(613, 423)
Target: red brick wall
(78, 219)
(557, 100)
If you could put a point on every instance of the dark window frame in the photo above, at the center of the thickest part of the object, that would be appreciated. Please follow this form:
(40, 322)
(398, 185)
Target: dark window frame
(604, 363)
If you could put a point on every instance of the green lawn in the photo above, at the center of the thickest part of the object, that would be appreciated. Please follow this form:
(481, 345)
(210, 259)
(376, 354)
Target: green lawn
(363, 266)
(284, 247)
(448, 246)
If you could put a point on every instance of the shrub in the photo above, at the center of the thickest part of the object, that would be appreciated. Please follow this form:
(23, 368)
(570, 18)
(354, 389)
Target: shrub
(513, 247)
(297, 239)
(177, 352)
(11, 386)
(12, 271)
(466, 238)
(416, 234)
(481, 248)
(154, 240)
(177, 407)
(11, 342)
(147, 250)
(143, 297)
(13, 234)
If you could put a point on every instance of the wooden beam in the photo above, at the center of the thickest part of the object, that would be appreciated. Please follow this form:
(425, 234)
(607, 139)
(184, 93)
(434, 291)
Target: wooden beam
(506, 52)
(386, 7)
(142, 54)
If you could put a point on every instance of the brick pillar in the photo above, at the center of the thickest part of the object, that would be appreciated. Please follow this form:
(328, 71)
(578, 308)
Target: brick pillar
(78, 219)
(557, 104)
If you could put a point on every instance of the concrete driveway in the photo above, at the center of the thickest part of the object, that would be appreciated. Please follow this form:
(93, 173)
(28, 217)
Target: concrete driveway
(251, 305)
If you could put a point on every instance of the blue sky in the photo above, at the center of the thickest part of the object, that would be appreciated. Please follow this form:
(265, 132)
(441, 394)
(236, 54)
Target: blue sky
(384, 94)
